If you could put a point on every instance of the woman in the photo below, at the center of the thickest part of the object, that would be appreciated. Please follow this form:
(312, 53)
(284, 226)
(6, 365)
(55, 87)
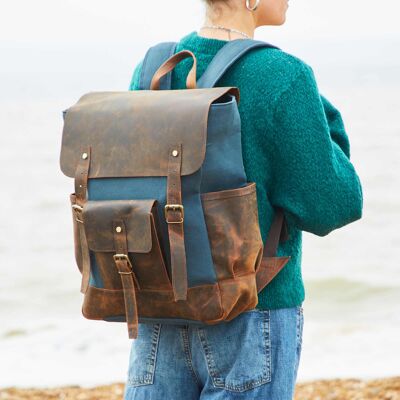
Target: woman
(297, 151)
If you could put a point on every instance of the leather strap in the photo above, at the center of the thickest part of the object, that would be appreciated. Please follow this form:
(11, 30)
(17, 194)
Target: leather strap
(81, 175)
(128, 277)
(170, 64)
(85, 256)
(81, 181)
(277, 231)
(174, 215)
(270, 264)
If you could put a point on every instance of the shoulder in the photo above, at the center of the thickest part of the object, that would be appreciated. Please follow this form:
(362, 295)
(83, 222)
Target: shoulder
(274, 70)
(277, 60)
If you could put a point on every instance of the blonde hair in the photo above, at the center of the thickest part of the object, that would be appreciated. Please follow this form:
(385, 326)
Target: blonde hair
(211, 2)
(215, 2)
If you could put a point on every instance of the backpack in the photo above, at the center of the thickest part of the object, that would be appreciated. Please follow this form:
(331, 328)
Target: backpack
(165, 222)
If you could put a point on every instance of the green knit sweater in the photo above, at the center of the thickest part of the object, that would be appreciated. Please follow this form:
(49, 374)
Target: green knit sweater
(294, 147)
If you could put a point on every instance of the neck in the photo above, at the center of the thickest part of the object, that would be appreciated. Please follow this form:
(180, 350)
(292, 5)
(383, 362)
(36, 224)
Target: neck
(233, 18)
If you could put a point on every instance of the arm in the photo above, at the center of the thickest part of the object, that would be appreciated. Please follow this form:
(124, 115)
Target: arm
(313, 179)
(336, 126)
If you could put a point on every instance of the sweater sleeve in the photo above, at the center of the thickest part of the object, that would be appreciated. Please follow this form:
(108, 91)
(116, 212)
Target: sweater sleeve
(134, 84)
(313, 179)
(336, 126)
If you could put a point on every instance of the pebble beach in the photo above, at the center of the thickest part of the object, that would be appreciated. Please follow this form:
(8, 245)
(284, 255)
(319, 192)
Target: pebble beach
(339, 389)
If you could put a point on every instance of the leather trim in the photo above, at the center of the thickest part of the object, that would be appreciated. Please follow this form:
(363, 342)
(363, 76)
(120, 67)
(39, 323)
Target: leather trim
(81, 175)
(81, 183)
(128, 277)
(268, 269)
(203, 303)
(209, 304)
(225, 194)
(175, 220)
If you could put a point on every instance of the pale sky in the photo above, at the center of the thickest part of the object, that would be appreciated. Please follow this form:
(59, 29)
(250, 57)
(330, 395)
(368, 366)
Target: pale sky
(53, 48)
(155, 20)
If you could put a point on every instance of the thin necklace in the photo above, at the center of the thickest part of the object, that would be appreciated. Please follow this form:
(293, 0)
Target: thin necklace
(226, 29)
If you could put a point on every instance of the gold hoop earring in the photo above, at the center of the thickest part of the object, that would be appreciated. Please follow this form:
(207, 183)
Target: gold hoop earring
(256, 4)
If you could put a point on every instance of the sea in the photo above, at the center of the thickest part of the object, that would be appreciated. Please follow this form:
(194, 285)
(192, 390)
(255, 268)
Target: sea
(352, 275)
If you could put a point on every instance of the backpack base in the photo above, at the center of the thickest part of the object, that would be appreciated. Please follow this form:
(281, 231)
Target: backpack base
(205, 304)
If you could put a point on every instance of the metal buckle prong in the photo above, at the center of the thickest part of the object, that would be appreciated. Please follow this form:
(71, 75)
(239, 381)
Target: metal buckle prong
(174, 207)
(78, 211)
(126, 258)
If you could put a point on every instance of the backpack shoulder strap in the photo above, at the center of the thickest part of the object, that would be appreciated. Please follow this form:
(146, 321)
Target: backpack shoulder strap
(154, 57)
(226, 57)
(270, 264)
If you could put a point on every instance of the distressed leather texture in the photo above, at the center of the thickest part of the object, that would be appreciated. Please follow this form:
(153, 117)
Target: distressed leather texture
(130, 132)
(129, 280)
(140, 219)
(137, 215)
(207, 304)
(176, 233)
(232, 225)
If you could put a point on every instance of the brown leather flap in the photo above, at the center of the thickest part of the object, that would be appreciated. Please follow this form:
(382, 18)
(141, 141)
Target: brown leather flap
(98, 219)
(131, 133)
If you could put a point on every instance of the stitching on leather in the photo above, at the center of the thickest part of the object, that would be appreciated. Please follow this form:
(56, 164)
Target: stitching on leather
(219, 195)
(237, 277)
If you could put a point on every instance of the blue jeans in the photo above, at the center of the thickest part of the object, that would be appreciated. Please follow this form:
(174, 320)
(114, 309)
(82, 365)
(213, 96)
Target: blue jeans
(254, 356)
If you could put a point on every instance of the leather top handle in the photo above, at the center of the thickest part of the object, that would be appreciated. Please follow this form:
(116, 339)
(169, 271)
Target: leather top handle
(170, 64)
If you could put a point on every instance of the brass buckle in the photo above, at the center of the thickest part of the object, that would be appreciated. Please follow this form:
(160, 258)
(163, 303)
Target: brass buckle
(126, 258)
(78, 211)
(174, 207)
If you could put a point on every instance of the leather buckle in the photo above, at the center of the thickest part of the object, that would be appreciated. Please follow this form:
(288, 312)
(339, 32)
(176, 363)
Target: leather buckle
(119, 257)
(78, 212)
(174, 207)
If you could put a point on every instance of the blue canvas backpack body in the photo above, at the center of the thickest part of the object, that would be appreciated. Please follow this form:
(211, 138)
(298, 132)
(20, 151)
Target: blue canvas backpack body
(165, 221)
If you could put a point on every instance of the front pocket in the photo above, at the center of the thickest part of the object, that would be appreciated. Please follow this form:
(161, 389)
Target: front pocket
(238, 353)
(142, 234)
(233, 230)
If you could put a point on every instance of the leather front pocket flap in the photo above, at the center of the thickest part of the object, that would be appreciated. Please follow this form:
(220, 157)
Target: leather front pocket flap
(98, 219)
